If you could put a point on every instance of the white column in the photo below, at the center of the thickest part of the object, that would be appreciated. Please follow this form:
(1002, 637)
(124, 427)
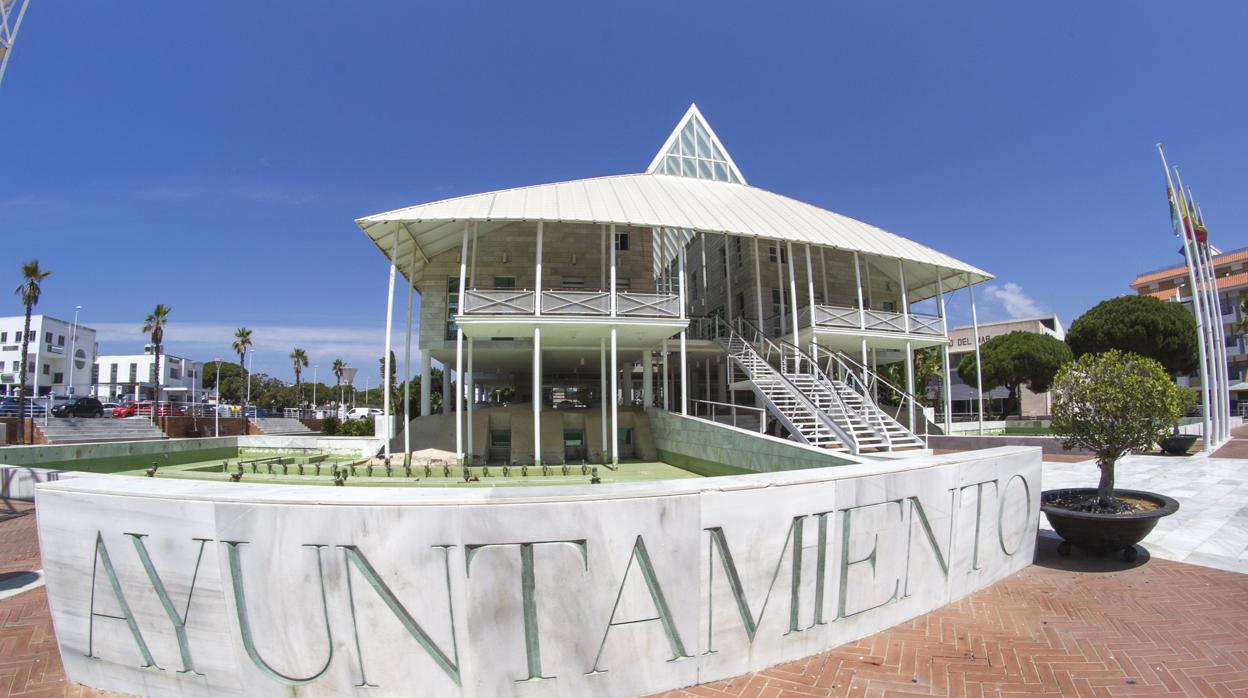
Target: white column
(615, 414)
(469, 399)
(684, 363)
(707, 373)
(910, 381)
(537, 395)
(472, 269)
(702, 248)
(385, 391)
(647, 379)
(459, 352)
(1224, 404)
(946, 393)
(979, 373)
(667, 382)
(612, 287)
(537, 272)
(793, 302)
(407, 369)
(758, 285)
(604, 405)
(810, 295)
(426, 378)
(1196, 308)
(780, 287)
(862, 313)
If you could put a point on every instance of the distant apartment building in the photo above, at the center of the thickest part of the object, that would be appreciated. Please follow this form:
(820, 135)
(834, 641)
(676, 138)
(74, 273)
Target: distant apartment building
(1231, 270)
(134, 376)
(965, 397)
(49, 370)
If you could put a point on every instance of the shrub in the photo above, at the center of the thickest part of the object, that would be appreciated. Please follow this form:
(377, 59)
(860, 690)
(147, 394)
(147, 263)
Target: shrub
(330, 425)
(1113, 403)
(356, 427)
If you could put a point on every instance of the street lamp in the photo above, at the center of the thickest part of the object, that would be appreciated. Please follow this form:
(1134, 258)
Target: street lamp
(73, 345)
(314, 390)
(216, 409)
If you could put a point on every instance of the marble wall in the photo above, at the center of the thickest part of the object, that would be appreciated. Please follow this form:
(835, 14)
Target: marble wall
(179, 588)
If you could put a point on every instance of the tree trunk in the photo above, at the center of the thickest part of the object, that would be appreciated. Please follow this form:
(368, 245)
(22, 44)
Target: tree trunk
(21, 399)
(156, 383)
(1105, 490)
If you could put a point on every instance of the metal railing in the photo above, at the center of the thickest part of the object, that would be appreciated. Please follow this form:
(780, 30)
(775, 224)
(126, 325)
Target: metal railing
(887, 320)
(926, 324)
(836, 316)
(556, 301)
(498, 302)
(710, 410)
(631, 304)
(856, 370)
(571, 302)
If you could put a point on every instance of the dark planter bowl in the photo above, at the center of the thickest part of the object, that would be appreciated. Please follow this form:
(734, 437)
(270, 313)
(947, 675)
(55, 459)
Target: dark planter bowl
(1178, 444)
(1104, 533)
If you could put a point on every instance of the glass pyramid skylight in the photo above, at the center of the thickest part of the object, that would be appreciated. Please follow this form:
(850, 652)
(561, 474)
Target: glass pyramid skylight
(694, 151)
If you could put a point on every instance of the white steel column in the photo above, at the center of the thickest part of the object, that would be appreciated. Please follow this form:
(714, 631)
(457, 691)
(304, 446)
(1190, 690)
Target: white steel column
(469, 392)
(537, 272)
(615, 414)
(1213, 318)
(385, 391)
(667, 382)
(862, 318)
(905, 310)
(537, 396)
(707, 374)
(603, 406)
(810, 294)
(947, 388)
(647, 379)
(684, 357)
(407, 369)
(910, 382)
(459, 352)
(758, 285)
(426, 380)
(793, 302)
(612, 287)
(1219, 330)
(979, 368)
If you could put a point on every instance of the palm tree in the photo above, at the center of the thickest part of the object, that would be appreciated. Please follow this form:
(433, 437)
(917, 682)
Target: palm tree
(29, 291)
(339, 368)
(154, 325)
(300, 358)
(242, 342)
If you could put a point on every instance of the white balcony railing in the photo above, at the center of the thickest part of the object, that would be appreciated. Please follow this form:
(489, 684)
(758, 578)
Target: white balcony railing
(926, 324)
(834, 316)
(570, 302)
(886, 320)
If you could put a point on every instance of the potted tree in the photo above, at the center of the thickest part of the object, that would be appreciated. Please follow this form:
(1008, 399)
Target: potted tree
(1111, 403)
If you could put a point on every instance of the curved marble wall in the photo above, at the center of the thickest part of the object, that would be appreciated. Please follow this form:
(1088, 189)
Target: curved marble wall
(181, 588)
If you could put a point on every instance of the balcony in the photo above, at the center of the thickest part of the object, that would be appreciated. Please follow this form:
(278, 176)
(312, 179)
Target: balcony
(570, 302)
(836, 317)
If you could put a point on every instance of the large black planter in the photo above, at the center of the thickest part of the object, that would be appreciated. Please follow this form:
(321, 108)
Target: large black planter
(1178, 444)
(1104, 533)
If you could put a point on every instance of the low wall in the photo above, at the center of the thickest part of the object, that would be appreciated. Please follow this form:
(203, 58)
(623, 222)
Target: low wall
(1047, 444)
(708, 448)
(175, 588)
(362, 446)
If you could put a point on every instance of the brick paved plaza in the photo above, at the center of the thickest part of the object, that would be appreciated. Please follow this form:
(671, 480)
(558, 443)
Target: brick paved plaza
(1064, 626)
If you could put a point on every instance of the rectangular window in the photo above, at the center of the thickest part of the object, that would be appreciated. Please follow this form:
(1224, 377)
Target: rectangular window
(134, 373)
(1227, 307)
(60, 340)
(4, 337)
(740, 304)
(621, 241)
(693, 280)
(504, 282)
(777, 310)
(452, 306)
(1232, 341)
(175, 374)
(890, 307)
(95, 374)
(58, 377)
(573, 282)
(777, 253)
(112, 373)
(47, 369)
(723, 258)
(47, 336)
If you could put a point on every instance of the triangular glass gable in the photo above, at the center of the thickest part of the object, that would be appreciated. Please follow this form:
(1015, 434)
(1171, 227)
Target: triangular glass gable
(694, 151)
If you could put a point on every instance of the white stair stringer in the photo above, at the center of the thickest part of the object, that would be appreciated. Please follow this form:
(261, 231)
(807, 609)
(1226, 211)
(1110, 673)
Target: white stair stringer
(785, 402)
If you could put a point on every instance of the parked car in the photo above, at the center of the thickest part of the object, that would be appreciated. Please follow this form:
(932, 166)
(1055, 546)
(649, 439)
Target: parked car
(79, 407)
(363, 413)
(34, 408)
(124, 410)
(110, 406)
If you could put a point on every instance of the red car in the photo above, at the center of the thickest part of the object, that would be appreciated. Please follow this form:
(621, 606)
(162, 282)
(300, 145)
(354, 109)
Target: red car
(126, 410)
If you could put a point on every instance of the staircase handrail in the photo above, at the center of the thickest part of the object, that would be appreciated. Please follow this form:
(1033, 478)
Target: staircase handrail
(872, 410)
(854, 367)
(847, 437)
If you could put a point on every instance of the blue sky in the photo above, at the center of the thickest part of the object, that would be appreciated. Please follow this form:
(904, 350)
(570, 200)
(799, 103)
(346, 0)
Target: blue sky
(169, 152)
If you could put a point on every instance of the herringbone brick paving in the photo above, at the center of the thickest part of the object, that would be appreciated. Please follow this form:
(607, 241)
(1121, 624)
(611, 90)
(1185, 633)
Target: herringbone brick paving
(1064, 626)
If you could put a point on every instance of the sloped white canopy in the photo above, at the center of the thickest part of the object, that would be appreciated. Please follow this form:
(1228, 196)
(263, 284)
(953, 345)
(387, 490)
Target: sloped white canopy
(708, 195)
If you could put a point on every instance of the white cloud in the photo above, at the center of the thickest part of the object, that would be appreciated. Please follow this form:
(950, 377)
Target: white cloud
(204, 341)
(1013, 300)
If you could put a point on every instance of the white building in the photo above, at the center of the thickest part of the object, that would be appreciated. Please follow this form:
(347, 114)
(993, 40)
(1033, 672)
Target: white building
(133, 375)
(52, 342)
(965, 398)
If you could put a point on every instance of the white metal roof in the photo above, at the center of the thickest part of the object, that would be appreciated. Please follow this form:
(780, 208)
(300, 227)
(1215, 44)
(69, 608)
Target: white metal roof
(647, 200)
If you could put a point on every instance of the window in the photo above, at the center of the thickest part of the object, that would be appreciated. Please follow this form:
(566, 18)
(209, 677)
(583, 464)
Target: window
(723, 258)
(740, 304)
(504, 282)
(4, 337)
(112, 374)
(175, 374)
(47, 337)
(60, 340)
(890, 307)
(737, 241)
(573, 282)
(1227, 307)
(777, 253)
(621, 241)
(58, 377)
(452, 306)
(30, 336)
(777, 309)
(134, 373)
(47, 369)
(1232, 340)
(693, 280)
(95, 374)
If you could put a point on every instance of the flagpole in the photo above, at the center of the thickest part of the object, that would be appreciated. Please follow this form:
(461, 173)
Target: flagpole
(1219, 327)
(1211, 317)
(1191, 276)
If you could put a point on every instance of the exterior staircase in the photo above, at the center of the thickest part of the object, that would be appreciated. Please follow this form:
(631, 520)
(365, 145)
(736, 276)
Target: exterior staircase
(833, 413)
(281, 425)
(74, 430)
(804, 421)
